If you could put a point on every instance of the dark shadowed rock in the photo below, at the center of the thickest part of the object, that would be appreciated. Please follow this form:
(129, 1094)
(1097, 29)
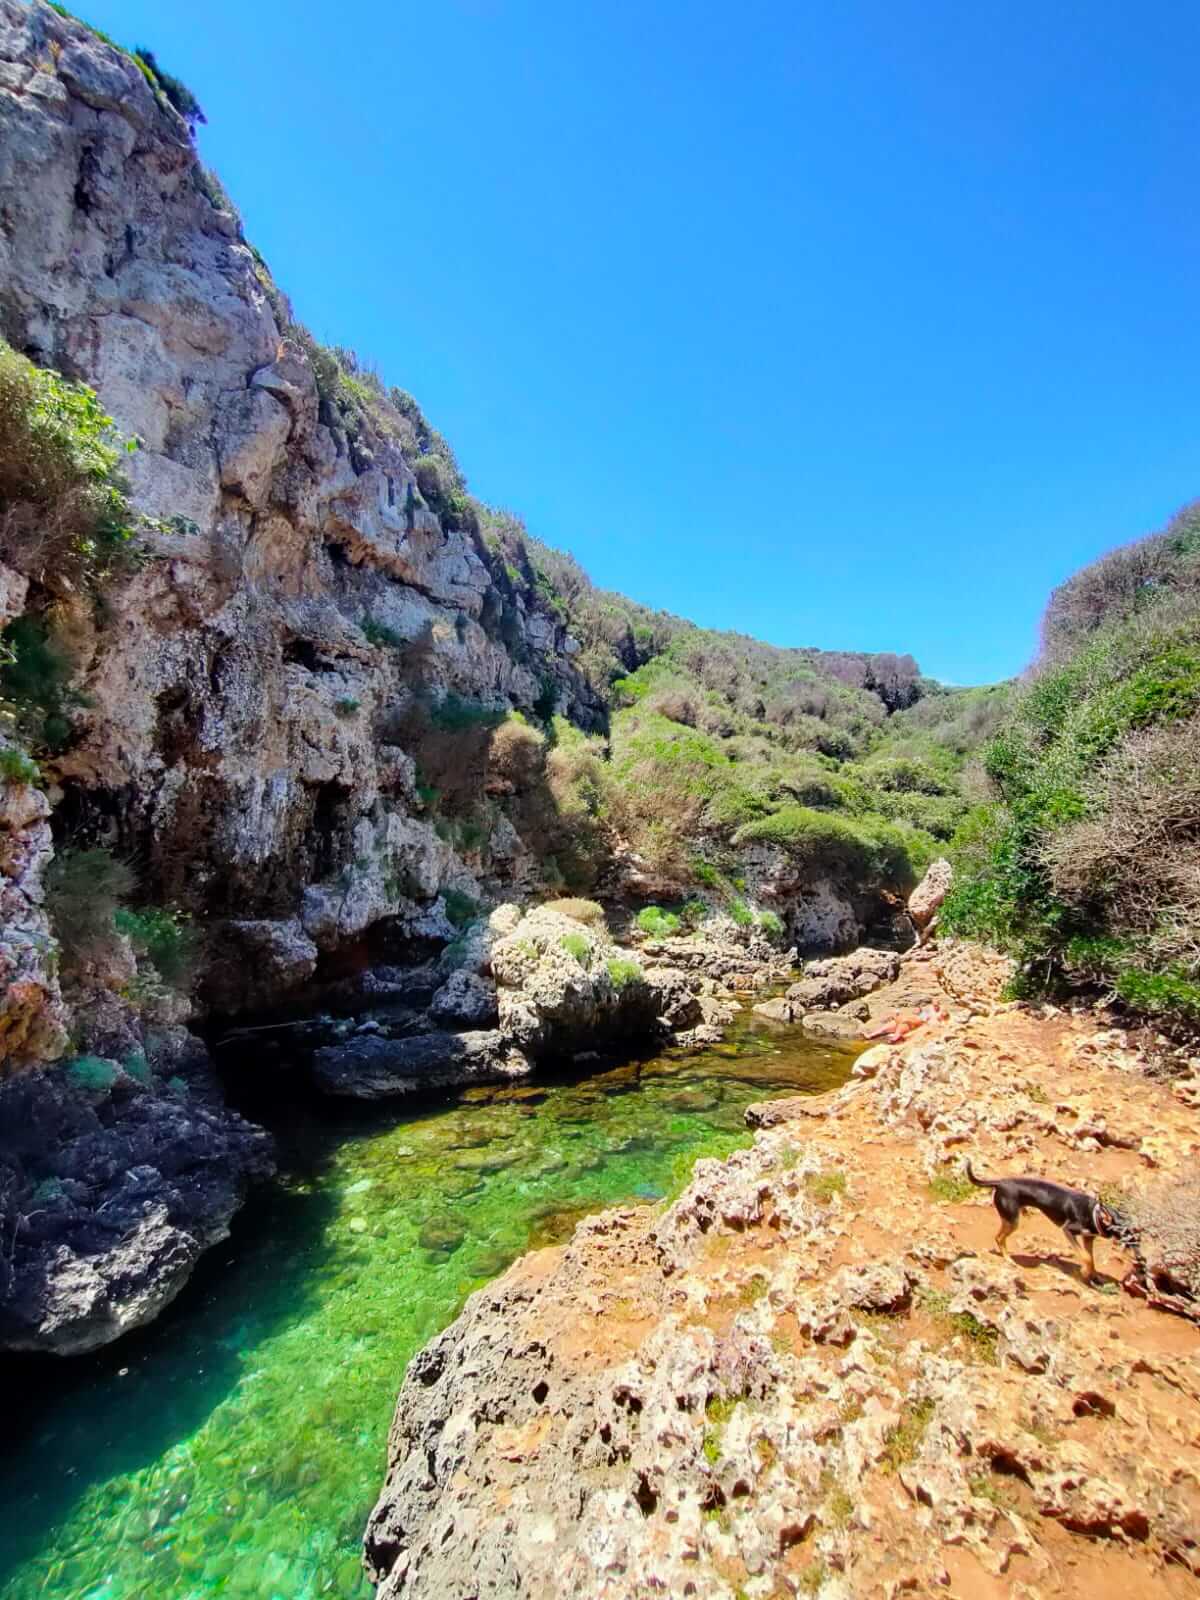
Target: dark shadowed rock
(109, 1195)
(373, 1068)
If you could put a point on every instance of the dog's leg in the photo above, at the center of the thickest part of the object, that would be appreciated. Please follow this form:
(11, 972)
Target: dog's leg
(1089, 1251)
(1007, 1229)
(1081, 1246)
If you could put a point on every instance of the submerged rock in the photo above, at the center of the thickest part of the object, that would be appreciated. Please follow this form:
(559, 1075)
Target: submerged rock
(110, 1191)
(370, 1067)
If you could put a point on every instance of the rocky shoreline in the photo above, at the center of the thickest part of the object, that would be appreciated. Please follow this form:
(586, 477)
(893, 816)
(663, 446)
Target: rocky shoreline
(810, 1375)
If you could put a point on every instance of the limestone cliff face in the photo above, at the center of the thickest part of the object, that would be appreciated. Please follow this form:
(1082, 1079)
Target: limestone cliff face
(239, 736)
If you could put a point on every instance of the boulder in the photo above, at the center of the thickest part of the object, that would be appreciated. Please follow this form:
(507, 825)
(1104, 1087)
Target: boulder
(839, 979)
(257, 963)
(926, 899)
(465, 1000)
(371, 1067)
(565, 987)
(112, 1185)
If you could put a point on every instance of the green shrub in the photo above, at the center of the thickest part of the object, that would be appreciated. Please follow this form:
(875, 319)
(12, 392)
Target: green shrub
(16, 767)
(866, 850)
(770, 924)
(453, 714)
(575, 944)
(35, 682)
(741, 913)
(60, 481)
(137, 1067)
(92, 1074)
(622, 973)
(585, 911)
(379, 633)
(84, 890)
(692, 913)
(176, 94)
(656, 922)
(1086, 865)
(165, 938)
(347, 706)
(461, 910)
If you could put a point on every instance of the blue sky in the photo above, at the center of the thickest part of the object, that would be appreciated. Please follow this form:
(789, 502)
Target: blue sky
(854, 324)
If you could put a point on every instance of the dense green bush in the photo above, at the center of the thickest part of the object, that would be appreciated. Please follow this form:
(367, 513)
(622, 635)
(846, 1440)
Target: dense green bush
(864, 850)
(656, 922)
(1085, 865)
(623, 973)
(64, 500)
(165, 938)
(576, 944)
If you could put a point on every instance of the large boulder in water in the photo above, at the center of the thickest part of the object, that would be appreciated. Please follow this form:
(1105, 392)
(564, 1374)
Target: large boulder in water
(371, 1067)
(113, 1183)
(563, 986)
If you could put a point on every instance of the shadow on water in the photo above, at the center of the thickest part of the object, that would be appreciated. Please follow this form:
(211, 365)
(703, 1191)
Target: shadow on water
(235, 1447)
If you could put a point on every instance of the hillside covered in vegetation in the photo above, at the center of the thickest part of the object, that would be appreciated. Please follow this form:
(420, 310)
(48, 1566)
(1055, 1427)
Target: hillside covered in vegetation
(1084, 860)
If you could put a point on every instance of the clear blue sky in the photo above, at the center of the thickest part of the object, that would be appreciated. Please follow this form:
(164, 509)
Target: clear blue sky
(855, 323)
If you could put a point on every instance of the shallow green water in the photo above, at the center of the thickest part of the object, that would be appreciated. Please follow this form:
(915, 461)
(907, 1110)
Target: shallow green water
(237, 1446)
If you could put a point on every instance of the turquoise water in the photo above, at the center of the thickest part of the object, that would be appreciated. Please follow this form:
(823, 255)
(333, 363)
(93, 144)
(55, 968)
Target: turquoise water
(237, 1446)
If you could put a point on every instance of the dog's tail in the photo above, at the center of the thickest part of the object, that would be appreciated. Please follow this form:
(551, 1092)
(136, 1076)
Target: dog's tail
(982, 1183)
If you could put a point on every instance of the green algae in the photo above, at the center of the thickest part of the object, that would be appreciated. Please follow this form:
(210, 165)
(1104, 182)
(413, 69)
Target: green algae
(236, 1447)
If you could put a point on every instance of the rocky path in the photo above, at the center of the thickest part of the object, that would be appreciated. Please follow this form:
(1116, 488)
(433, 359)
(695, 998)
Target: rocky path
(811, 1375)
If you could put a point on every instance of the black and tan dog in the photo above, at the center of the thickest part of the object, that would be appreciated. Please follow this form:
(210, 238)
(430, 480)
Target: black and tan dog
(1082, 1217)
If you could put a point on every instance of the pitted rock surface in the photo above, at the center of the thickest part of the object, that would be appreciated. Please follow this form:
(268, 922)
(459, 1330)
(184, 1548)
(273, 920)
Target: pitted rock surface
(809, 1376)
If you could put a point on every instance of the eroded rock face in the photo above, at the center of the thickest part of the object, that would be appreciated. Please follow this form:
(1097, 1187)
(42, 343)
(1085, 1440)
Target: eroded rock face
(240, 728)
(112, 1184)
(925, 901)
(32, 1015)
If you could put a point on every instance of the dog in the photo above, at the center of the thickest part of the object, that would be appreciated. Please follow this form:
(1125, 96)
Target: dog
(1082, 1217)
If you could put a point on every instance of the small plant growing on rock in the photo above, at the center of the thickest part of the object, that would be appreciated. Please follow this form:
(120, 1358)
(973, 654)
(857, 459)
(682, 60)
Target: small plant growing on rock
(585, 911)
(951, 1186)
(165, 938)
(623, 973)
(84, 889)
(656, 922)
(347, 706)
(16, 767)
(771, 925)
(741, 913)
(824, 1185)
(460, 908)
(379, 633)
(576, 945)
(902, 1441)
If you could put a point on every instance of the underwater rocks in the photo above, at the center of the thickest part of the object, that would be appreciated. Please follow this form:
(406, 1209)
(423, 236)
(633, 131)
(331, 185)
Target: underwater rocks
(370, 1067)
(112, 1185)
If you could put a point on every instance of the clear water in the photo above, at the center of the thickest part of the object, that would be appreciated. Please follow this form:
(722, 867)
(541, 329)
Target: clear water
(236, 1446)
